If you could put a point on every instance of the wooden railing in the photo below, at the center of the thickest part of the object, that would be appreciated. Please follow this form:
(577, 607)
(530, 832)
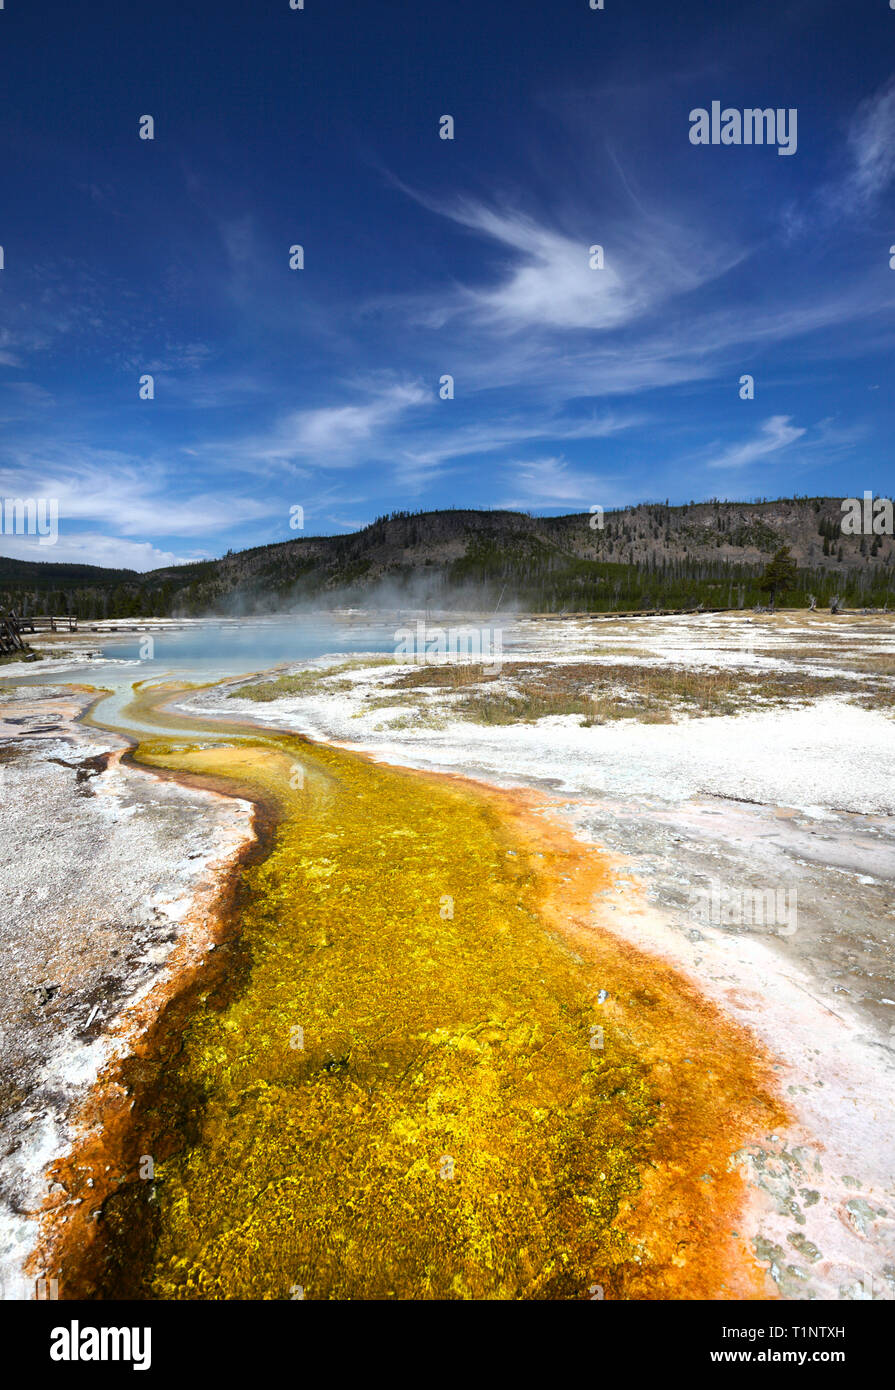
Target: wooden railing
(44, 622)
(12, 627)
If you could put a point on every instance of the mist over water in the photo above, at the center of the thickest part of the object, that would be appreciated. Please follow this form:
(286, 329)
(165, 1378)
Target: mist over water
(213, 649)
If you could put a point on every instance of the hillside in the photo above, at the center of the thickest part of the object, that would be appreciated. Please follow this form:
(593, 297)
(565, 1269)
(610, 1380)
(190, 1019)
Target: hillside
(650, 555)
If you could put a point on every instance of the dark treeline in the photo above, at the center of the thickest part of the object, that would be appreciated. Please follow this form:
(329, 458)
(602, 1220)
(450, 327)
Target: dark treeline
(483, 581)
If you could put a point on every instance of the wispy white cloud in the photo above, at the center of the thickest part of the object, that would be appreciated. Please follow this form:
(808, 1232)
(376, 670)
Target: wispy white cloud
(871, 143)
(776, 433)
(548, 282)
(548, 482)
(491, 436)
(428, 456)
(335, 436)
(552, 284)
(133, 496)
(864, 167)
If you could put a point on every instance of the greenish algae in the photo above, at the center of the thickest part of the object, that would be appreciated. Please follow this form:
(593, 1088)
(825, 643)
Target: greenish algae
(396, 1087)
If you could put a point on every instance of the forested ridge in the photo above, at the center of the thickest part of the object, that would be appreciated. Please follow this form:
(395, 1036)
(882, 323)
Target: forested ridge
(649, 556)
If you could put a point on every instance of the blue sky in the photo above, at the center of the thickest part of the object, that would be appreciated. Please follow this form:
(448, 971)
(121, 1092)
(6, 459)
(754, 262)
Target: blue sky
(319, 388)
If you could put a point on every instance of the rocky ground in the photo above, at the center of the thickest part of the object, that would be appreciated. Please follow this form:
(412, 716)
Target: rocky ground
(105, 870)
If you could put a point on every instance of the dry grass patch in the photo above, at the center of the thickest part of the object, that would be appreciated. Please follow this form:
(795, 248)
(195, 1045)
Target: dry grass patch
(530, 704)
(881, 698)
(598, 694)
(450, 675)
(874, 663)
(860, 662)
(307, 682)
